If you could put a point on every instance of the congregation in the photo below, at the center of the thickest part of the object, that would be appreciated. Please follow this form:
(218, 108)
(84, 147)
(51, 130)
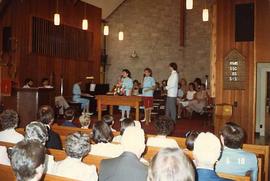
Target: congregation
(124, 153)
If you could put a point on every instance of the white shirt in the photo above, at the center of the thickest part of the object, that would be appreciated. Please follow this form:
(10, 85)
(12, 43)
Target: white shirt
(172, 84)
(4, 160)
(75, 169)
(162, 141)
(11, 136)
(106, 149)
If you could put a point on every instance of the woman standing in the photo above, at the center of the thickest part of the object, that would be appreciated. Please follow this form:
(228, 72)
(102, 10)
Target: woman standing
(127, 85)
(148, 91)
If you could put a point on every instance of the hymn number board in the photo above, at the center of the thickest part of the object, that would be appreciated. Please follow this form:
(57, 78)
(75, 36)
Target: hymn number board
(234, 71)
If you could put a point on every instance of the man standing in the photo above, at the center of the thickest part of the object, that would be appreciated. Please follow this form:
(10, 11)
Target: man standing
(172, 88)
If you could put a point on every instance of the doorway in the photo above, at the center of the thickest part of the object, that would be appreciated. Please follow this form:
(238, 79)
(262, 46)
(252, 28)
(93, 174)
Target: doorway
(263, 99)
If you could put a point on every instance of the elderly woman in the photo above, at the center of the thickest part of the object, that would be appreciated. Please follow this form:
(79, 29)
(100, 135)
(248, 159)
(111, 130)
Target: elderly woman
(77, 146)
(164, 126)
(27, 160)
(102, 137)
(9, 121)
(171, 164)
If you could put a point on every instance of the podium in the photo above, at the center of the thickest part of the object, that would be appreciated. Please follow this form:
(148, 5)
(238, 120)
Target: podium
(29, 100)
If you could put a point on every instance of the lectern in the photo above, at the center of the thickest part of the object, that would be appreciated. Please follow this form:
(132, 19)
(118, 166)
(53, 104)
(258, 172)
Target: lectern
(29, 100)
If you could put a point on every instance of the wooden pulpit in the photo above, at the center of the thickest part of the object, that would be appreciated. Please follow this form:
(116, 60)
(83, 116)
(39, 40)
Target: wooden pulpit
(29, 100)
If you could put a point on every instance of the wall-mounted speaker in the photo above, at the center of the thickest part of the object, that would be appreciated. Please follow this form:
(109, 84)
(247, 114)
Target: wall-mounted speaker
(7, 39)
(244, 22)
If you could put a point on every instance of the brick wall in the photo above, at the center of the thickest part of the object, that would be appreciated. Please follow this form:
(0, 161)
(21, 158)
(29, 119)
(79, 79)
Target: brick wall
(151, 28)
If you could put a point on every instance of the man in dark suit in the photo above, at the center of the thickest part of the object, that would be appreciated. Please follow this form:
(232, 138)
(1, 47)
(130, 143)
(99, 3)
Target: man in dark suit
(46, 116)
(127, 166)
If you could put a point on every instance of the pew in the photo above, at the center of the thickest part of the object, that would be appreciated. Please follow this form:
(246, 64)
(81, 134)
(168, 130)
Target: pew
(95, 160)
(234, 177)
(6, 173)
(262, 151)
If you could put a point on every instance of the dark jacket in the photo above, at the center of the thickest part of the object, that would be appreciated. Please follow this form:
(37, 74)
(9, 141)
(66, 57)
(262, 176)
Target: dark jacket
(209, 175)
(54, 140)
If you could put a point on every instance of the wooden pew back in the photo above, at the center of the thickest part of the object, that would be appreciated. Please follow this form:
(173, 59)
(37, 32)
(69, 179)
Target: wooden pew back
(6, 173)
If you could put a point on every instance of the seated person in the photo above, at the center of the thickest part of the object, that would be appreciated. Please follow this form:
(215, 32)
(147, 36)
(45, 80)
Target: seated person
(69, 115)
(168, 161)
(186, 99)
(61, 104)
(85, 121)
(199, 101)
(28, 83)
(164, 126)
(234, 160)
(108, 119)
(207, 150)
(38, 132)
(190, 138)
(102, 137)
(77, 96)
(27, 160)
(127, 166)
(124, 124)
(9, 121)
(45, 83)
(46, 116)
(77, 146)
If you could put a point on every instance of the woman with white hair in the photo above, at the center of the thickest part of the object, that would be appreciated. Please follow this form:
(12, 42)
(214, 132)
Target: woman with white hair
(77, 146)
(171, 164)
(207, 150)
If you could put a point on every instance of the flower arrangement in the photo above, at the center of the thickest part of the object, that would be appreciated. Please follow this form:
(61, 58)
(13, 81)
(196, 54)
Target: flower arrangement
(119, 89)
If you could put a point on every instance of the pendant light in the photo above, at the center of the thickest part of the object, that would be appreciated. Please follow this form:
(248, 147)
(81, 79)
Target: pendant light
(205, 12)
(205, 15)
(121, 35)
(189, 4)
(85, 21)
(56, 16)
(106, 30)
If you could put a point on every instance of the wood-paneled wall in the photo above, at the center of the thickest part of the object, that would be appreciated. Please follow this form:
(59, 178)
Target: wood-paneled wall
(25, 64)
(244, 112)
(262, 38)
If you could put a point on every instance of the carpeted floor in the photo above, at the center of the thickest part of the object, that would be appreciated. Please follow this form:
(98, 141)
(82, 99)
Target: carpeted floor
(196, 123)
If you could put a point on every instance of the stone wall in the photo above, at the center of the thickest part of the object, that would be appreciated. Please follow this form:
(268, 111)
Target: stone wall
(151, 28)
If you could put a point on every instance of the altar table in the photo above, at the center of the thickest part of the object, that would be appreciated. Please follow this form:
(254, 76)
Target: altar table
(111, 100)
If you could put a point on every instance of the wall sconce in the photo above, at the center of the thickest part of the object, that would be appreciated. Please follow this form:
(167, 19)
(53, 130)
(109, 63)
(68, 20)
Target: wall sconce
(134, 55)
(106, 30)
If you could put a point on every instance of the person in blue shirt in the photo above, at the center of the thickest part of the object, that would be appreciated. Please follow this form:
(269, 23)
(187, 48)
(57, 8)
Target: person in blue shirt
(234, 160)
(77, 93)
(127, 85)
(148, 91)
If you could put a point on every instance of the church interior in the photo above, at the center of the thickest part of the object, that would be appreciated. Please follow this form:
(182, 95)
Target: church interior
(76, 56)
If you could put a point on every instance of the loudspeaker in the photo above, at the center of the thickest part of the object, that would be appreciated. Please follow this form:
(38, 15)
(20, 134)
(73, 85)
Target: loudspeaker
(7, 39)
(244, 22)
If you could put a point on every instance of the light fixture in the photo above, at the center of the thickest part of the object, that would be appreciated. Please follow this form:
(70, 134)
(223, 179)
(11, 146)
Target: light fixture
(121, 35)
(106, 30)
(205, 14)
(189, 4)
(85, 24)
(85, 21)
(56, 16)
(56, 19)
